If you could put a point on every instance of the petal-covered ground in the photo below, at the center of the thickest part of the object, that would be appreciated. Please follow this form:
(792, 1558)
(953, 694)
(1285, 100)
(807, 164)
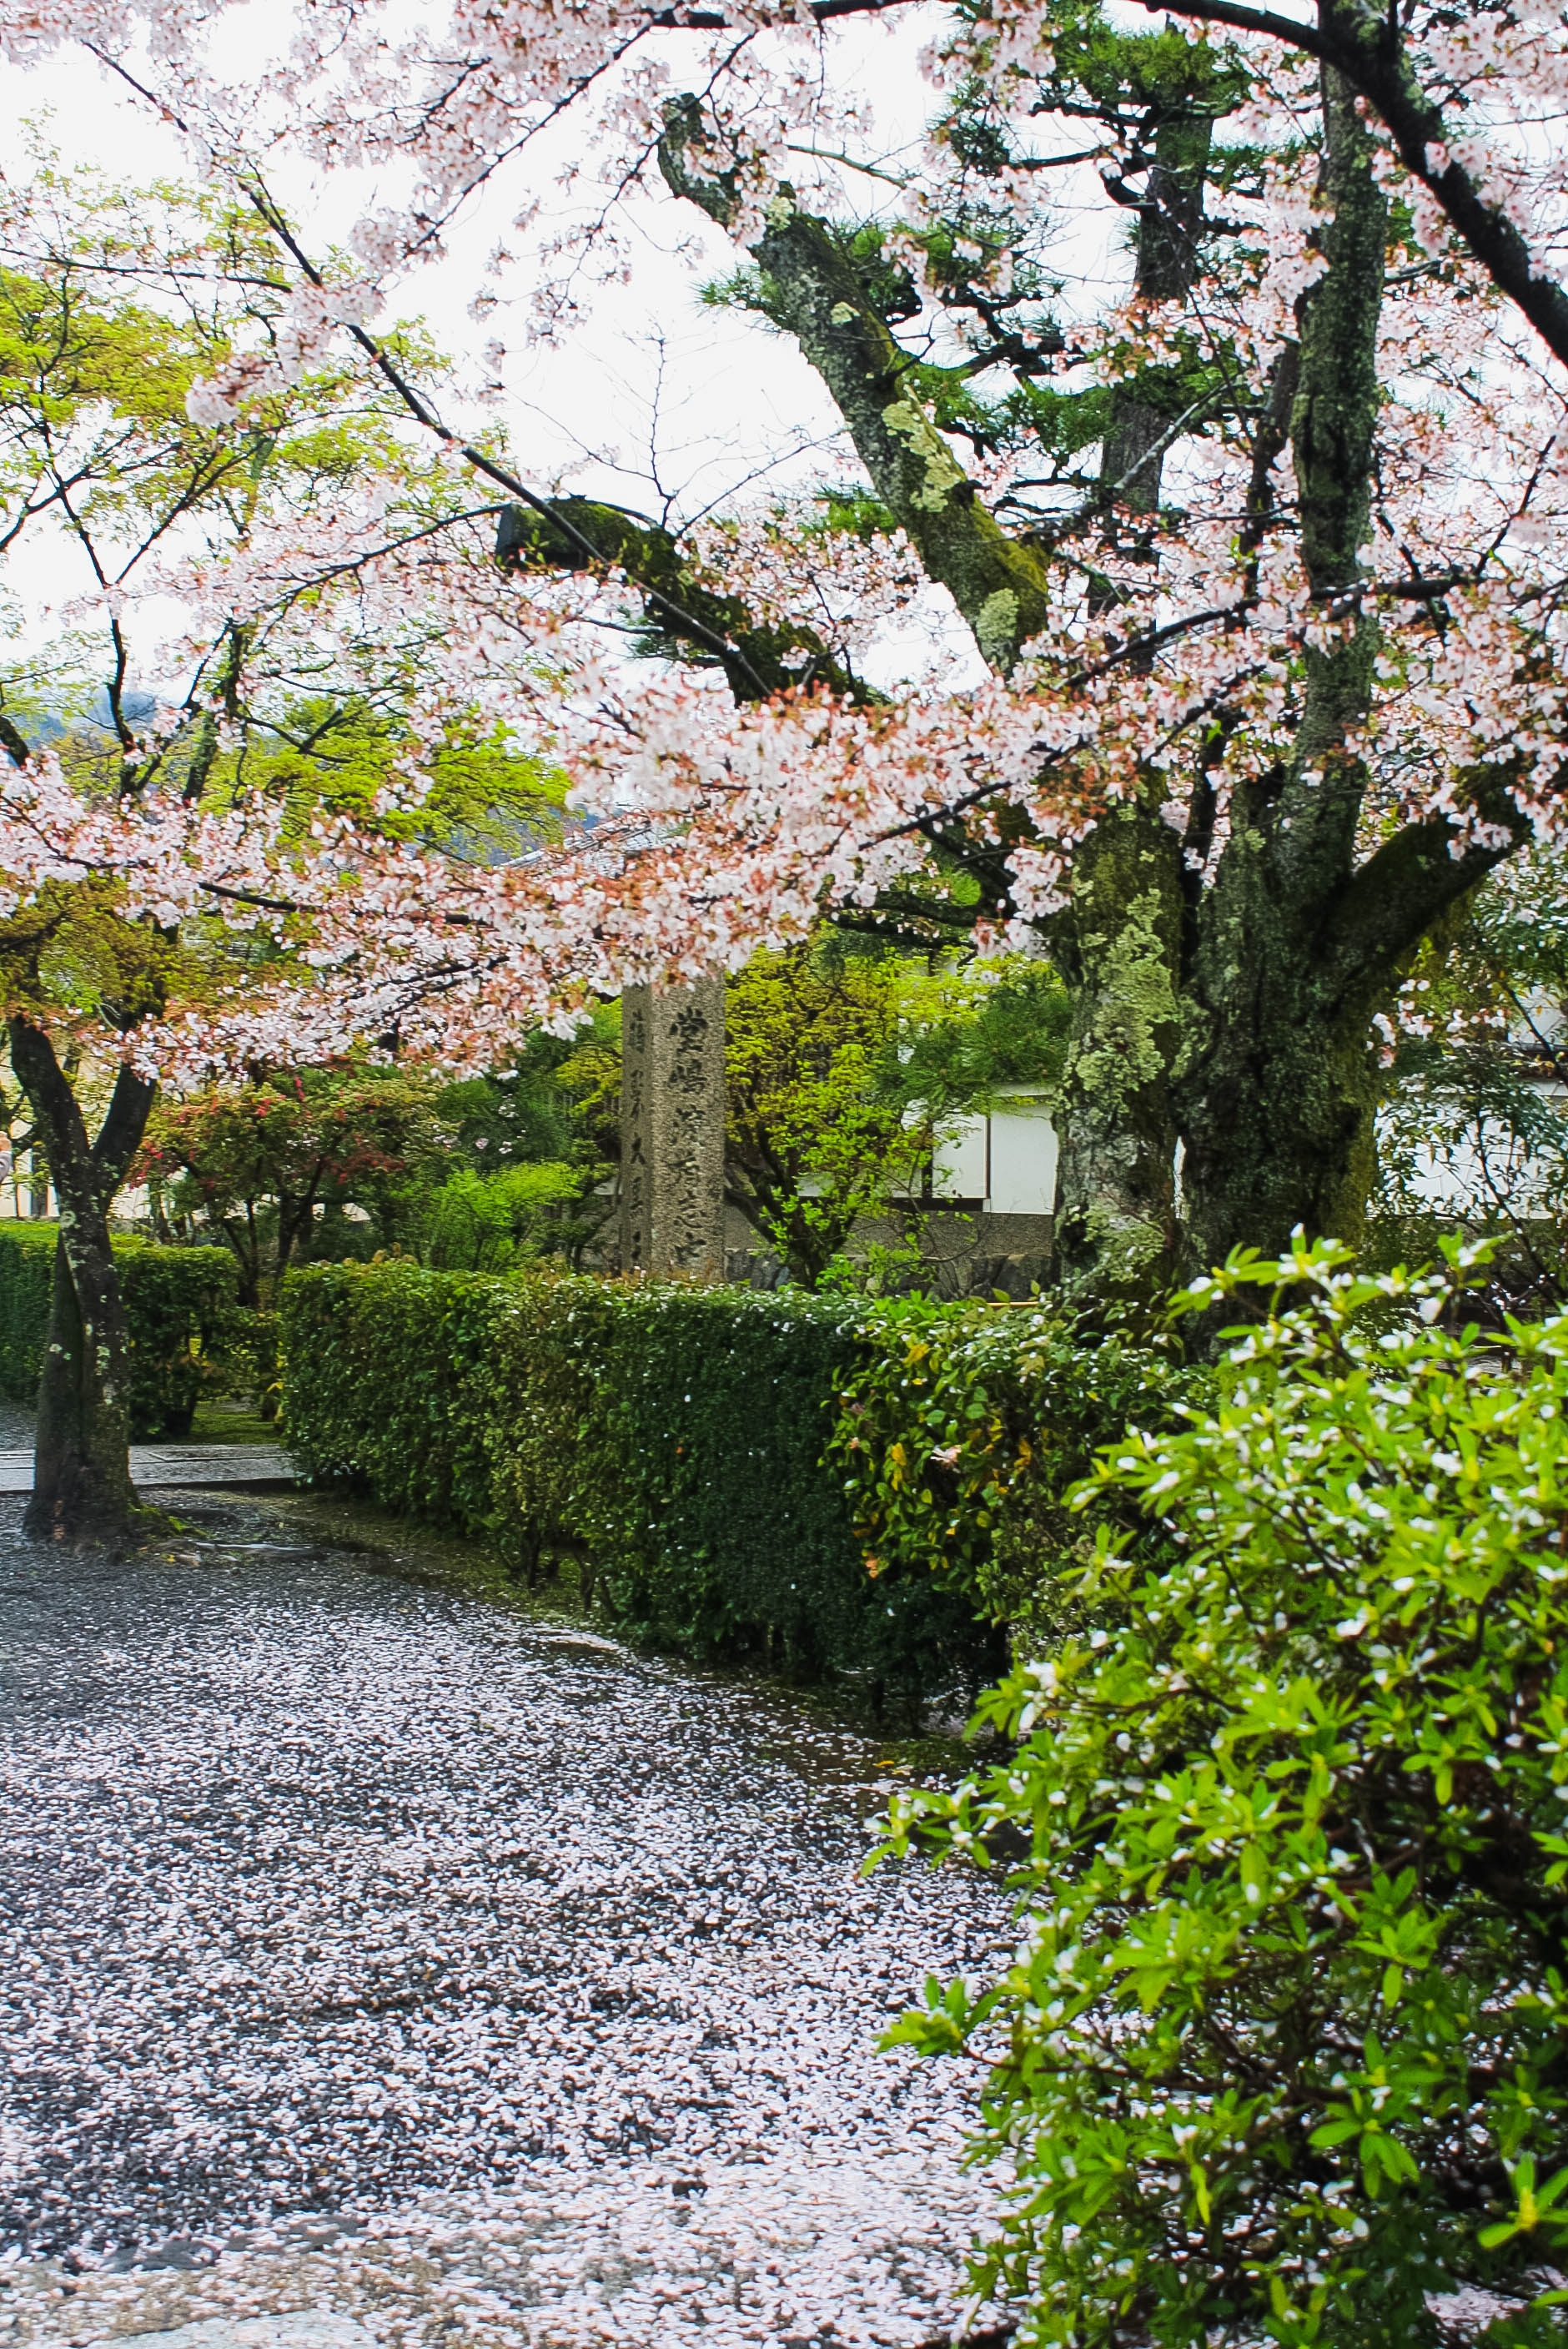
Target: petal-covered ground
(370, 1950)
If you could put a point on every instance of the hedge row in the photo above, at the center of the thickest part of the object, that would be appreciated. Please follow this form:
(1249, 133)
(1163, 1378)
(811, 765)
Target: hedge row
(185, 1327)
(962, 1428)
(842, 1490)
(672, 1438)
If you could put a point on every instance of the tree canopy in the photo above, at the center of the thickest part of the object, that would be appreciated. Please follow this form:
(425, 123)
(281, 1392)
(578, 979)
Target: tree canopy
(1194, 371)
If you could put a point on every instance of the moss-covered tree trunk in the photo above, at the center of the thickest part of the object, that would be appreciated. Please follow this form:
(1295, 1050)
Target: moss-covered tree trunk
(82, 1491)
(1118, 948)
(1118, 944)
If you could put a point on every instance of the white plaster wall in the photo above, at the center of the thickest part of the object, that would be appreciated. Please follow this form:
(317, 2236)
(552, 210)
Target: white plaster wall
(1006, 1160)
(1023, 1161)
(961, 1163)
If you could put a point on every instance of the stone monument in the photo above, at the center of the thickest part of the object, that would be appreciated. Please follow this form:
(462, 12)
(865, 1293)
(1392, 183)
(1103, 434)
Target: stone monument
(672, 1130)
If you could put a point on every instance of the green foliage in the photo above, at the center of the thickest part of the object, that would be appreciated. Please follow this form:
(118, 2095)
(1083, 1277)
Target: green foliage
(839, 1062)
(968, 1037)
(1281, 2050)
(736, 1522)
(246, 1359)
(387, 1382)
(327, 1163)
(553, 1105)
(522, 1110)
(813, 1138)
(187, 1339)
(672, 1438)
(490, 1223)
(960, 1430)
(27, 1272)
(349, 746)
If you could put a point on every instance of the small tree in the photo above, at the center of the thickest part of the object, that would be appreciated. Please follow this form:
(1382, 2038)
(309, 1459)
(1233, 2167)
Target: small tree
(815, 1135)
(256, 1165)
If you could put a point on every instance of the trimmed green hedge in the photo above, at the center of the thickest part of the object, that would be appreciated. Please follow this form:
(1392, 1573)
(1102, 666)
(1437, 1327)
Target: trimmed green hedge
(180, 1303)
(963, 1428)
(26, 1271)
(672, 1438)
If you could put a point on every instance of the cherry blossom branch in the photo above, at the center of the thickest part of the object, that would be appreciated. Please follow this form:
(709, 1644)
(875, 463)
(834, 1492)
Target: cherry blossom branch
(483, 462)
(1378, 70)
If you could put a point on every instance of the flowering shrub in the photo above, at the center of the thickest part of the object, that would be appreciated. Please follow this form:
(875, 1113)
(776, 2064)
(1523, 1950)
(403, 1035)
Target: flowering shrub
(1281, 2052)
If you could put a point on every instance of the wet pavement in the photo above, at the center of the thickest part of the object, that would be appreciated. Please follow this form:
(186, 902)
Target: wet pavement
(190, 1466)
(413, 1968)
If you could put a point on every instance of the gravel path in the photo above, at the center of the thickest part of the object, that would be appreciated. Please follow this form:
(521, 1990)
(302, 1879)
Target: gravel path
(379, 1955)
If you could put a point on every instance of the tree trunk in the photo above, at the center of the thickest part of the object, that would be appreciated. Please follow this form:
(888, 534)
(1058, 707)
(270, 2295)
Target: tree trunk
(1118, 947)
(1276, 1080)
(294, 1218)
(1278, 1130)
(1118, 950)
(82, 1492)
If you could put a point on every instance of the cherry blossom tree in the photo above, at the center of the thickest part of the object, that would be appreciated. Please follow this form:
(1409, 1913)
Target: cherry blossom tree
(215, 881)
(1256, 534)
(1261, 551)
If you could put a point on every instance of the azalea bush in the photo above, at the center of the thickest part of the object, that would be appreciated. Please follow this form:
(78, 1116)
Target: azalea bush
(1281, 2054)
